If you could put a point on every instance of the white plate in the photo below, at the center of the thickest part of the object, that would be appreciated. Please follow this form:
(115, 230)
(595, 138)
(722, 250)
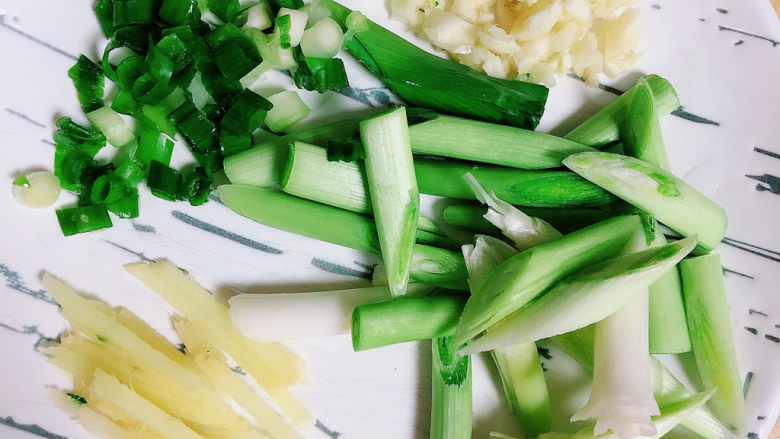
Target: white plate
(721, 56)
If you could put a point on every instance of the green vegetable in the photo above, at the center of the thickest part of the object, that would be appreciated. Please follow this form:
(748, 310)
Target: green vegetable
(70, 134)
(522, 278)
(709, 324)
(406, 319)
(668, 328)
(126, 206)
(466, 139)
(584, 297)
(320, 74)
(113, 127)
(422, 79)
(259, 166)
(431, 265)
(89, 81)
(75, 220)
(288, 109)
(525, 388)
(515, 186)
(471, 217)
(164, 182)
(196, 187)
(153, 146)
(451, 411)
(602, 128)
(242, 118)
(664, 196)
(393, 188)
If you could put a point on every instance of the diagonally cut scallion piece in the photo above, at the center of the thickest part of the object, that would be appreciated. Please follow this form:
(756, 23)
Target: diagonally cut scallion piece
(111, 124)
(431, 265)
(664, 196)
(709, 324)
(471, 217)
(584, 297)
(260, 166)
(451, 409)
(603, 127)
(393, 188)
(522, 278)
(545, 188)
(459, 138)
(403, 320)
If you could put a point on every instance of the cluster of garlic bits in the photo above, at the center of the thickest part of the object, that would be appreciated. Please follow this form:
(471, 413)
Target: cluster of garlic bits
(529, 39)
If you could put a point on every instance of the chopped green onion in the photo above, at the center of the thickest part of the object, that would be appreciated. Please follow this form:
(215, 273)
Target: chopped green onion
(104, 10)
(88, 79)
(258, 17)
(199, 132)
(466, 139)
(233, 51)
(260, 166)
(130, 12)
(131, 170)
(471, 217)
(197, 186)
(153, 146)
(522, 278)
(298, 20)
(149, 89)
(226, 10)
(425, 80)
(322, 40)
(126, 206)
(164, 182)
(168, 58)
(584, 297)
(709, 324)
(320, 74)
(291, 4)
(279, 317)
(36, 189)
(641, 129)
(106, 189)
(111, 124)
(602, 128)
(288, 109)
(69, 165)
(157, 116)
(515, 186)
(75, 220)
(73, 135)
(430, 265)
(451, 410)
(244, 116)
(664, 196)
(403, 320)
(393, 188)
(176, 11)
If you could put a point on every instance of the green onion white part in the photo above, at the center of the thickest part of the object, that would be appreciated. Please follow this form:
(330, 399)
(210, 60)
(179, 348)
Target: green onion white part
(298, 20)
(641, 129)
(522, 278)
(621, 398)
(356, 22)
(111, 124)
(288, 316)
(712, 341)
(323, 39)
(258, 17)
(524, 231)
(584, 297)
(393, 189)
(519, 367)
(288, 109)
(668, 328)
(38, 189)
(664, 196)
(258, 166)
(451, 400)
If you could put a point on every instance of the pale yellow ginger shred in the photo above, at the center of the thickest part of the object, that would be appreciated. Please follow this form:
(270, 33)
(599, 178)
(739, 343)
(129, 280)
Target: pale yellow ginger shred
(533, 40)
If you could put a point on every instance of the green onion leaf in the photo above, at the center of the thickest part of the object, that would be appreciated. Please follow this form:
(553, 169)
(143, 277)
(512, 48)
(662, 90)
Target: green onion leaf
(164, 182)
(75, 220)
(196, 187)
(176, 11)
(104, 10)
(126, 206)
(130, 12)
(88, 79)
(70, 134)
(106, 189)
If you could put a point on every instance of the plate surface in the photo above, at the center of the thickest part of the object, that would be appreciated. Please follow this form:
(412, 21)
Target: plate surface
(722, 57)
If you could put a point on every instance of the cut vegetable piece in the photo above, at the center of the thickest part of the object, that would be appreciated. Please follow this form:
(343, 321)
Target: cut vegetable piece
(38, 189)
(404, 320)
(320, 74)
(485, 142)
(709, 324)
(584, 297)
(668, 327)
(425, 80)
(323, 39)
(74, 220)
(260, 166)
(393, 188)
(603, 127)
(430, 265)
(298, 19)
(288, 109)
(107, 391)
(309, 174)
(89, 81)
(111, 124)
(524, 231)
(451, 410)
(664, 196)
(164, 182)
(271, 365)
(515, 186)
(522, 278)
(288, 316)
(525, 388)
(86, 317)
(196, 187)
(258, 17)
(641, 128)
(85, 139)
(214, 366)
(471, 217)
(154, 145)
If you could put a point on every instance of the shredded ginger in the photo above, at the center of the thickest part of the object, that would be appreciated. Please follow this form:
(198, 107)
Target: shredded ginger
(531, 40)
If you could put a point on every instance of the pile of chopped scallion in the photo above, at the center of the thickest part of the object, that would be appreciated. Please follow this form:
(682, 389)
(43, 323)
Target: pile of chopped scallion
(585, 263)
